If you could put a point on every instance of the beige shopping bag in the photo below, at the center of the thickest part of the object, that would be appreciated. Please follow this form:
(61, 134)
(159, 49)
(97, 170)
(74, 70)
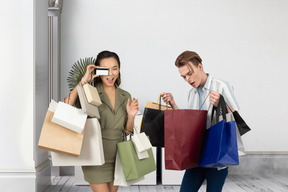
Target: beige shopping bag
(92, 94)
(92, 148)
(87, 108)
(56, 138)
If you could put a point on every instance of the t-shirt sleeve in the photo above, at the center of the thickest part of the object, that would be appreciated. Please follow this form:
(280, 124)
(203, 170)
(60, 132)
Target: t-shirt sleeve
(229, 96)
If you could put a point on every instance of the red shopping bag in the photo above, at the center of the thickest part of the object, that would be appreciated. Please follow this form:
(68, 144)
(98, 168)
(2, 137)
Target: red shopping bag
(184, 131)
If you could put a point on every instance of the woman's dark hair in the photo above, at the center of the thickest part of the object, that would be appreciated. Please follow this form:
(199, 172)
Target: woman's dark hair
(104, 55)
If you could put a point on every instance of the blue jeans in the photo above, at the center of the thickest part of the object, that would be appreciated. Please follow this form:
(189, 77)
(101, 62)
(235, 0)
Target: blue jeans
(193, 179)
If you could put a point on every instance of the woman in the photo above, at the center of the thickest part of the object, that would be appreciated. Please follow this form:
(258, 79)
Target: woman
(190, 67)
(117, 115)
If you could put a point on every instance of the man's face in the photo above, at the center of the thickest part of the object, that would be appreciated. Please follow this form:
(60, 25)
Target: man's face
(192, 74)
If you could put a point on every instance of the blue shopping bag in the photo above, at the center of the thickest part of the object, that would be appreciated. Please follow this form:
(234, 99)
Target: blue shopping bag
(220, 145)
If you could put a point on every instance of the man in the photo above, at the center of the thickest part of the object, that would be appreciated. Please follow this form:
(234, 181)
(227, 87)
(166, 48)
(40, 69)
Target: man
(190, 67)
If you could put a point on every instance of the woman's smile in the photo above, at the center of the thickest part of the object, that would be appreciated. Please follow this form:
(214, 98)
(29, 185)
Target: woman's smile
(110, 80)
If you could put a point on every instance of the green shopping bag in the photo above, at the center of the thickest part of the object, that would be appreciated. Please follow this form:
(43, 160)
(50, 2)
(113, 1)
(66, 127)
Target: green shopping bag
(133, 167)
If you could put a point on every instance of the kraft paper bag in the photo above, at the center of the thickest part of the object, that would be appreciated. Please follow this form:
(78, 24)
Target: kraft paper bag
(69, 117)
(92, 94)
(57, 138)
(92, 148)
(87, 108)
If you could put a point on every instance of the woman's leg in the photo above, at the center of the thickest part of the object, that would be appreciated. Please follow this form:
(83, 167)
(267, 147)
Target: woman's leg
(192, 180)
(112, 187)
(215, 179)
(100, 187)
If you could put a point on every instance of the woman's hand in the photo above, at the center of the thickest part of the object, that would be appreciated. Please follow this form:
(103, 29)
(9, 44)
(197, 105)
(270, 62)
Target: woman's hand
(168, 99)
(132, 108)
(214, 98)
(87, 77)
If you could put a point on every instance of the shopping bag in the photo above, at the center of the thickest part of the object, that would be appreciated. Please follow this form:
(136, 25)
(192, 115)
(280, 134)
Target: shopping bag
(140, 141)
(241, 124)
(153, 122)
(69, 117)
(119, 178)
(230, 117)
(92, 148)
(184, 131)
(57, 138)
(141, 144)
(87, 108)
(220, 146)
(133, 167)
(92, 94)
(240, 145)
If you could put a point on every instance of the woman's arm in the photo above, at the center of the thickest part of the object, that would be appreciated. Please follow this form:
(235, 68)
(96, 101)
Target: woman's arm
(72, 97)
(132, 109)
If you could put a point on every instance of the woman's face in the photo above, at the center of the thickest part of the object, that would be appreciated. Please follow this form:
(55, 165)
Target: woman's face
(113, 72)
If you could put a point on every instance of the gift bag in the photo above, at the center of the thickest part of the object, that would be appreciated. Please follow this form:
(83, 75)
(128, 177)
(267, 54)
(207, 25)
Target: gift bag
(141, 144)
(133, 167)
(140, 141)
(230, 117)
(240, 145)
(153, 122)
(220, 146)
(92, 94)
(87, 108)
(92, 148)
(241, 124)
(184, 130)
(56, 138)
(119, 178)
(69, 117)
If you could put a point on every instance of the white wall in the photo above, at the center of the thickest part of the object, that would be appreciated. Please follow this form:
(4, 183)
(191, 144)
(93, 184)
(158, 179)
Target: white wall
(244, 42)
(17, 75)
(24, 94)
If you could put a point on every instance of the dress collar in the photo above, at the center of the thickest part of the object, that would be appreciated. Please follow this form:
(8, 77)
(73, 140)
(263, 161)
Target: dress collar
(119, 99)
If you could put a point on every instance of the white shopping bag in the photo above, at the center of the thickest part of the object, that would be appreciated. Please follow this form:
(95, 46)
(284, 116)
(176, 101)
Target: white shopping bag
(119, 178)
(91, 152)
(141, 141)
(141, 155)
(69, 117)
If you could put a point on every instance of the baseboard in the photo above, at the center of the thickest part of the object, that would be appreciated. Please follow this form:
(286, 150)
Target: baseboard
(43, 178)
(36, 180)
(261, 164)
(266, 152)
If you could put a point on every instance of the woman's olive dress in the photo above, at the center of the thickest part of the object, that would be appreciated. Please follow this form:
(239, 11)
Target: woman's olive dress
(112, 124)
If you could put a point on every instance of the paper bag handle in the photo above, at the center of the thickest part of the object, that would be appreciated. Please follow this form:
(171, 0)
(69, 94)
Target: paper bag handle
(205, 101)
(159, 102)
